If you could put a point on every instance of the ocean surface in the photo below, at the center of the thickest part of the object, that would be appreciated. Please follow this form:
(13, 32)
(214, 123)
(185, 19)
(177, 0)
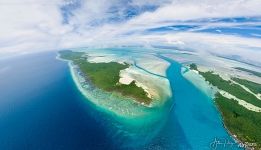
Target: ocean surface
(42, 109)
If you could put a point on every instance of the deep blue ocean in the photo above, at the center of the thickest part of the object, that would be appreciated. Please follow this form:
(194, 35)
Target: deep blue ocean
(41, 109)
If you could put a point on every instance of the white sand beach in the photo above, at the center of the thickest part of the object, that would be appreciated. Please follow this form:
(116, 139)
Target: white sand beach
(240, 101)
(157, 87)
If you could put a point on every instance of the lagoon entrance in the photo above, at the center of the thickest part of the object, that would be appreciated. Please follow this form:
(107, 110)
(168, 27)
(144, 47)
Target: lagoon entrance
(194, 119)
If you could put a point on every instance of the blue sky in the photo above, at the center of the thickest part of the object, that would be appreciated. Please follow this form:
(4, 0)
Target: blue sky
(215, 26)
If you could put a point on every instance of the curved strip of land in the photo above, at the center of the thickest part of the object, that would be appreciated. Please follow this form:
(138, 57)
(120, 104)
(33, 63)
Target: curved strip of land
(104, 83)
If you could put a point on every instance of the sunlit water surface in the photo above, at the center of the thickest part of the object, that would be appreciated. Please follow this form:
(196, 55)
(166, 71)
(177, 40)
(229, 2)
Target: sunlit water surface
(41, 108)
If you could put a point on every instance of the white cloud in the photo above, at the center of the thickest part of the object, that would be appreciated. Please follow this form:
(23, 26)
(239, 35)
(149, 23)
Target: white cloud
(30, 25)
(191, 9)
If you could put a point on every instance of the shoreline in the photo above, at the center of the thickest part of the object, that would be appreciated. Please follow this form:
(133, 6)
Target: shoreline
(156, 88)
(138, 108)
(123, 109)
(74, 74)
(135, 115)
(239, 143)
(199, 82)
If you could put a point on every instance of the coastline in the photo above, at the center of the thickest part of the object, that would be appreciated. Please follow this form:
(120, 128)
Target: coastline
(196, 101)
(131, 115)
(131, 118)
(199, 82)
(157, 88)
(195, 78)
(82, 90)
(114, 104)
(190, 78)
(155, 114)
(240, 143)
(147, 74)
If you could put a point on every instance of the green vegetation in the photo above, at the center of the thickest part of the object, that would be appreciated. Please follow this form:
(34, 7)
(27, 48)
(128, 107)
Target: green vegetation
(252, 86)
(249, 71)
(230, 87)
(106, 76)
(244, 123)
(240, 121)
(137, 92)
(193, 66)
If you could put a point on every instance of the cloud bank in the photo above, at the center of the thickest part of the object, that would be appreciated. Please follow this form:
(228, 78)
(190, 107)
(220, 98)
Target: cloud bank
(219, 26)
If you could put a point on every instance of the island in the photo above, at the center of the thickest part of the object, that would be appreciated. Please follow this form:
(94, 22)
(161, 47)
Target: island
(240, 106)
(106, 76)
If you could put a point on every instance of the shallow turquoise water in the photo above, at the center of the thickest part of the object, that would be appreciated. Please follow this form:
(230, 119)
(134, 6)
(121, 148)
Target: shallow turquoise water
(194, 112)
(42, 109)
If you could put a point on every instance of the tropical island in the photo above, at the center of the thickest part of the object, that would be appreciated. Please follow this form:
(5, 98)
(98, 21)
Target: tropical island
(240, 105)
(106, 76)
